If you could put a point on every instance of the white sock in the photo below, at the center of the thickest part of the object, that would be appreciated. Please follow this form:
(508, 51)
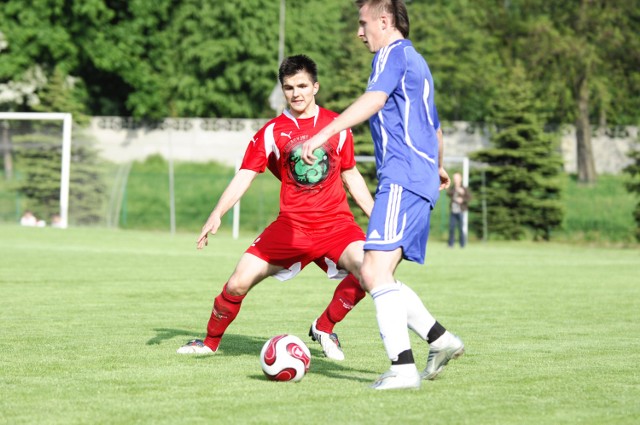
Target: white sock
(392, 319)
(444, 341)
(418, 317)
(405, 369)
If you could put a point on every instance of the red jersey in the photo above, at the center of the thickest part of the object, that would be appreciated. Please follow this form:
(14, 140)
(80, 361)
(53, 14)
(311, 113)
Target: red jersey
(310, 195)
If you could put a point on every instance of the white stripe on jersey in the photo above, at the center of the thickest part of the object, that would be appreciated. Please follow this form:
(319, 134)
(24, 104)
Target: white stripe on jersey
(385, 137)
(382, 62)
(425, 99)
(270, 142)
(316, 115)
(343, 138)
(407, 111)
(287, 114)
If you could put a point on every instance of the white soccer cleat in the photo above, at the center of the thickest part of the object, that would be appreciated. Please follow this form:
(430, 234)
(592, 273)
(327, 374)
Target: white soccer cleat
(393, 380)
(438, 359)
(195, 346)
(329, 342)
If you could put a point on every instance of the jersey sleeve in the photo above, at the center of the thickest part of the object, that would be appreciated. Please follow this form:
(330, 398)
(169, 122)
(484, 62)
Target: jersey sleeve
(389, 66)
(256, 156)
(346, 150)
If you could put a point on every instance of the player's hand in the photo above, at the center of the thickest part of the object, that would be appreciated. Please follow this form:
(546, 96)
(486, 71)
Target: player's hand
(211, 226)
(309, 146)
(445, 181)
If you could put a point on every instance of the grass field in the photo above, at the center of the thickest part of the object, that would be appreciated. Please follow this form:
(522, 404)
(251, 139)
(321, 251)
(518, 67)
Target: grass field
(90, 321)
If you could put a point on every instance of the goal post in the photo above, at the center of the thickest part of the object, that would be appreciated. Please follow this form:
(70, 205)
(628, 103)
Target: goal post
(65, 165)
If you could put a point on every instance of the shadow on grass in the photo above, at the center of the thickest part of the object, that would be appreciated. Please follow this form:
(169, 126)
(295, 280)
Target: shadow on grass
(237, 345)
(334, 370)
(320, 365)
(232, 344)
(165, 334)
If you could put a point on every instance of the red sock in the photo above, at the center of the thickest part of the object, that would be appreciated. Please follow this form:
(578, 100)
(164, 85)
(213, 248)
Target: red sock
(225, 310)
(347, 294)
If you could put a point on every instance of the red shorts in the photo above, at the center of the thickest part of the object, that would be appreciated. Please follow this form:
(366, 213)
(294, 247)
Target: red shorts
(284, 245)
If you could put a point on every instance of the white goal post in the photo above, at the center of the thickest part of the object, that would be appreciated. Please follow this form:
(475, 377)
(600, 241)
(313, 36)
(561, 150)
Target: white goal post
(66, 119)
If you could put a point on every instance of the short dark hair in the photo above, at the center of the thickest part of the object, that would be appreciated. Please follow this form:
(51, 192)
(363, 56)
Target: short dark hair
(298, 63)
(395, 8)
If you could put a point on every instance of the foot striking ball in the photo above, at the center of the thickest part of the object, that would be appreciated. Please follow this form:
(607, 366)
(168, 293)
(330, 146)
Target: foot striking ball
(285, 358)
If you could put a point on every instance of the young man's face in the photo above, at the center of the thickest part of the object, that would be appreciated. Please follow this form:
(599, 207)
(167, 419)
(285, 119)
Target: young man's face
(300, 90)
(457, 179)
(370, 29)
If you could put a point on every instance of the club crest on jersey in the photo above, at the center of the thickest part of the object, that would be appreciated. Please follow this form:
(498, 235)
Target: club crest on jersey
(308, 175)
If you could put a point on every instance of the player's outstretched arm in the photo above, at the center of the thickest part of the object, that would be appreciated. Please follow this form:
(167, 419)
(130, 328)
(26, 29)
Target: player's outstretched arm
(358, 189)
(361, 110)
(232, 194)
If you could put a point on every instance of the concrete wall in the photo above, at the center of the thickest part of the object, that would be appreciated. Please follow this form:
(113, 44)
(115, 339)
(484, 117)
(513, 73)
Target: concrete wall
(195, 139)
(224, 140)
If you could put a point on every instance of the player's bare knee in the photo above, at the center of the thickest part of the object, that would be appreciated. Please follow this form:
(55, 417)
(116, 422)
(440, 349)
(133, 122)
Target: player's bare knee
(367, 279)
(237, 286)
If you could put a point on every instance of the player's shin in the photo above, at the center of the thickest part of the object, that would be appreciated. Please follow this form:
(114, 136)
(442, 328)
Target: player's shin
(418, 317)
(392, 321)
(347, 294)
(225, 309)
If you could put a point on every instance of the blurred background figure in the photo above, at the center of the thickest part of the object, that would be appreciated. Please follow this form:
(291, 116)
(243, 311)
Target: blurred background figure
(29, 219)
(459, 197)
(56, 221)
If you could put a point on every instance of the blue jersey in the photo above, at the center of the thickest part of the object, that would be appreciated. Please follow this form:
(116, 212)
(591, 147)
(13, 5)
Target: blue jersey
(404, 130)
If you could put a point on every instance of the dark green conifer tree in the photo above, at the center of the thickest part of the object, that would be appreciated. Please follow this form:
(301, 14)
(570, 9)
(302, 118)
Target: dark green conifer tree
(522, 166)
(633, 185)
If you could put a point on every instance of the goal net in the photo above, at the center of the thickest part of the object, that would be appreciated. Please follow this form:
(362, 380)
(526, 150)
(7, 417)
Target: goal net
(62, 216)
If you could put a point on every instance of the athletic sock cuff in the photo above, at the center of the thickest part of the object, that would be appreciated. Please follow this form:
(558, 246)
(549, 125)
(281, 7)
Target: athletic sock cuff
(406, 357)
(436, 331)
(384, 289)
(234, 299)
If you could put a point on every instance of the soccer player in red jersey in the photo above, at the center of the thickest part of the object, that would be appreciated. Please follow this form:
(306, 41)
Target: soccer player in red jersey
(315, 223)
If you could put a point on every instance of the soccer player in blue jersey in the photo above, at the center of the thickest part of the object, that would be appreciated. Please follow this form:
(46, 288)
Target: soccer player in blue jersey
(399, 104)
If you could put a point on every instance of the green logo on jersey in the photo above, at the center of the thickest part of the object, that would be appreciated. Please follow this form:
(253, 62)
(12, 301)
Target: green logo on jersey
(307, 175)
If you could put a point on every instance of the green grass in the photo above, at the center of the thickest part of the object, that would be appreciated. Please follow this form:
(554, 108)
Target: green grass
(599, 212)
(197, 187)
(90, 320)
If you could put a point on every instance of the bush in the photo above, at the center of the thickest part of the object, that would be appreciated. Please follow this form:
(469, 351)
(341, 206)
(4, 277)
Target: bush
(633, 186)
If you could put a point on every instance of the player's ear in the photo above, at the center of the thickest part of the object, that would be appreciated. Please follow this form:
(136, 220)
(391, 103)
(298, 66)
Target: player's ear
(385, 21)
(316, 87)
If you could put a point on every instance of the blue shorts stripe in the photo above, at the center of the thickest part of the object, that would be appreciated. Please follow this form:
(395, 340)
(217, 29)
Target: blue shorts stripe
(400, 219)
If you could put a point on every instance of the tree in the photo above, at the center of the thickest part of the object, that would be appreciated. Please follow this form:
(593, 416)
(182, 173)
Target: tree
(34, 41)
(633, 185)
(462, 54)
(195, 58)
(572, 49)
(522, 166)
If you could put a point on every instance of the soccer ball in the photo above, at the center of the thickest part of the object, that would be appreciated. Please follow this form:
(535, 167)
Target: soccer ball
(285, 358)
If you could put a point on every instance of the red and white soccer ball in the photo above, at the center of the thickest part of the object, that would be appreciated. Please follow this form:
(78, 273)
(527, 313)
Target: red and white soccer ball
(285, 358)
